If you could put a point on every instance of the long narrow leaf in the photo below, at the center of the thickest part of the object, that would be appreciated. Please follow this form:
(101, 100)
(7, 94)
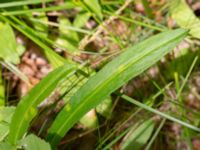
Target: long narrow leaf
(22, 3)
(164, 115)
(27, 108)
(136, 138)
(55, 59)
(128, 65)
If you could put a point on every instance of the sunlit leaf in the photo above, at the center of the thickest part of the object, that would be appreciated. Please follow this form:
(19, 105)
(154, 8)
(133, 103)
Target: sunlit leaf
(95, 7)
(185, 17)
(27, 107)
(6, 146)
(81, 19)
(32, 142)
(6, 114)
(8, 46)
(105, 108)
(129, 64)
(67, 39)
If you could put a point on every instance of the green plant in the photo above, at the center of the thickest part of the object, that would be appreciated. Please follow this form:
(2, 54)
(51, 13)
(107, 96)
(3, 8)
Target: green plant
(89, 95)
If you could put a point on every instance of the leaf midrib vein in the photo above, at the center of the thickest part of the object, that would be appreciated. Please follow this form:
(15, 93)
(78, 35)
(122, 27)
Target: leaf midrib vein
(31, 104)
(110, 78)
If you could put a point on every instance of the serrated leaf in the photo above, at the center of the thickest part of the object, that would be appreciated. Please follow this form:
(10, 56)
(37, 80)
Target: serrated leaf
(185, 17)
(136, 138)
(32, 142)
(27, 107)
(8, 44)
(129, 64)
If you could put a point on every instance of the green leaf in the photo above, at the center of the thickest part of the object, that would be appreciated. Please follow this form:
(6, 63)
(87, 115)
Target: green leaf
(162, 114)
(55, 59)
(180, 65)
(8, 46)
(136, 138)
(6, 114)
(27, 107)
(20, 49)
(81, 19)
(67, 38)
(105, 108)
(185, 17)
(2, 89)
(4, 129)
(32, 142)
(42, 28)
(6, 146)
(129, 64)
(94, 7)
(13, 3)
(16, 71)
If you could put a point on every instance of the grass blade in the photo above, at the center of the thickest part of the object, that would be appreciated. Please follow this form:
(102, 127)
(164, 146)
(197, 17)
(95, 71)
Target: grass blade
(16, 71)
(155, 134)
(55, 59)
(187, 76)
(128, 65)
(22, 3)
(137, 103)
(138, 137)
(94, 7)
(27, 108)
(67, 5)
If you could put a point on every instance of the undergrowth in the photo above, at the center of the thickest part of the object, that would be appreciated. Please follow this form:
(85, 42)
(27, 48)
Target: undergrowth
(99, 74)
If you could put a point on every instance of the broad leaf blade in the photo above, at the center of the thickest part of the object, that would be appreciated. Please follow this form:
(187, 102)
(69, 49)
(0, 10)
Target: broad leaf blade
(6, 114)
(8, 46)
(185, 17)
(55, 59)
(27, 108)
(81, 19)
(6, 146)
(123, 68)
(32, 142)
